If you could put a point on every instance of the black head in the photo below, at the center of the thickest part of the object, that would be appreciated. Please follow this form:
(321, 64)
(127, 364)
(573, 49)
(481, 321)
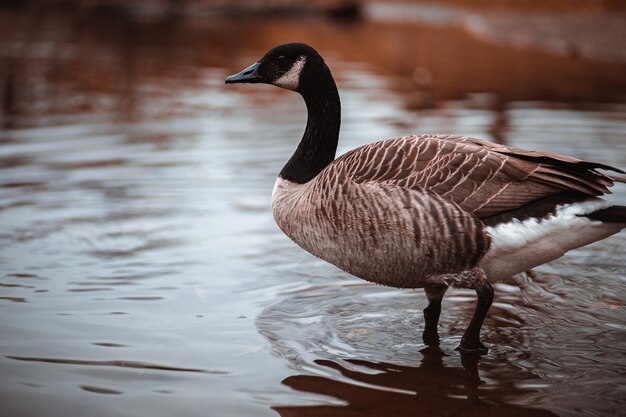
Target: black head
(287, 66)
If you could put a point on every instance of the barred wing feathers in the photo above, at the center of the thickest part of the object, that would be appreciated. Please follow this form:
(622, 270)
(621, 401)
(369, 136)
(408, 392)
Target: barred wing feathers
(479, 176)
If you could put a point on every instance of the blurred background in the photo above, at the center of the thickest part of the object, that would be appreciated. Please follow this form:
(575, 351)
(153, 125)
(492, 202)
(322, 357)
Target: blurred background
(141, 272)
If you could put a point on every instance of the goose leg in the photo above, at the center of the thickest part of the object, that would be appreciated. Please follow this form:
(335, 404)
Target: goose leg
(471, 338)
(431, 314)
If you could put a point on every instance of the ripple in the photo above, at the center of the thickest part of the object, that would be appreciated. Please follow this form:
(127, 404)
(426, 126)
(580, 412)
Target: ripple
(141, 298)
(130, 252)
(22, 184)
(163, 391)
(2, 284)
(109, 344)
(99, 390)
(103, 163)
(15, 299)
(24, 275)
(132, 298)
(116, 363)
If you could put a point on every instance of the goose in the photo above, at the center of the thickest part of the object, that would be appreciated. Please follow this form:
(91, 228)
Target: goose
(430, 211)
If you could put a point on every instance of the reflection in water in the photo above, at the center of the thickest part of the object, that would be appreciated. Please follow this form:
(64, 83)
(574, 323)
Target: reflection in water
(430, 389)
(140, 258)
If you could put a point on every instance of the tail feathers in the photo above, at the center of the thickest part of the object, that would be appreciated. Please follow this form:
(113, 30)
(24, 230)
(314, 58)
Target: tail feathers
(613, 214)
(617, 177)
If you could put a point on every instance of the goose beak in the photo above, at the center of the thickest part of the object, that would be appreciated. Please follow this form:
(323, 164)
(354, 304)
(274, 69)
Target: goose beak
(249, 75)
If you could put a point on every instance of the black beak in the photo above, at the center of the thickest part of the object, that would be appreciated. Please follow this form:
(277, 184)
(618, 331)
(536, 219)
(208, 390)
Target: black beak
(249, 75)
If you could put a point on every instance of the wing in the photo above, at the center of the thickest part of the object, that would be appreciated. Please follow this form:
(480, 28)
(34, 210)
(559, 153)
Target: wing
(483, 178)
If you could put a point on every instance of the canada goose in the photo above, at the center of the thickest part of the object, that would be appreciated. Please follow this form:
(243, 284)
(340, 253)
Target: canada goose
(428, 211)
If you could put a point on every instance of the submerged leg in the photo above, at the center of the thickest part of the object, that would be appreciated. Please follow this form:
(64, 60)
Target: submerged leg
(471, 338)
(431, 314)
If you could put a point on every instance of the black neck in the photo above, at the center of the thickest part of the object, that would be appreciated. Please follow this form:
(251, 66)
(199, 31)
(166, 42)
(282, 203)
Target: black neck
(319, 142)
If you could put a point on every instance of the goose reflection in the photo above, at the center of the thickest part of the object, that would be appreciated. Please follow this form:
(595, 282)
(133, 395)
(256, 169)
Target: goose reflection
(431, 389)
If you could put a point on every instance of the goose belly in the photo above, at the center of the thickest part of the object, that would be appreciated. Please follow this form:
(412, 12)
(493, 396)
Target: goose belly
(381, 258)
(399, 245)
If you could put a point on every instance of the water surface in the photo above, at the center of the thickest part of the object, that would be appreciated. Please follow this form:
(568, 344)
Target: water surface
(142, 272)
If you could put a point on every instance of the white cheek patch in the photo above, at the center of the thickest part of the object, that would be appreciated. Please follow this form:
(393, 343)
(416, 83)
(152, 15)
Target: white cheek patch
(291, 79)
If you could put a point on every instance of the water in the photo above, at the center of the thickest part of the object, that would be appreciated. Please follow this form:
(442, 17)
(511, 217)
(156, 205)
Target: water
(142, 272)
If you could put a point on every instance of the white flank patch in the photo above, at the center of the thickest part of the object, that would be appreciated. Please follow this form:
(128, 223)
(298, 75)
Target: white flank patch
(518, 246)
(291, 79)
(516, 234)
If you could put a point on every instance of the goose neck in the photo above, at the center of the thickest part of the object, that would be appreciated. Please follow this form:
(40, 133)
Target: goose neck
(319, 142)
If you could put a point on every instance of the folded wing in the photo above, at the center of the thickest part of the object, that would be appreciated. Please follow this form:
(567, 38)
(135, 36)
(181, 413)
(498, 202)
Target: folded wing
(484, 178)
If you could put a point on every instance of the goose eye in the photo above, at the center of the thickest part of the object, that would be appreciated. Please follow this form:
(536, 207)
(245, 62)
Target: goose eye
(281, 57)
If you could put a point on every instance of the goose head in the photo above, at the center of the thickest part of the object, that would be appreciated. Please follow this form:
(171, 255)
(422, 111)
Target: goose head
(298, 67)
(293, 66)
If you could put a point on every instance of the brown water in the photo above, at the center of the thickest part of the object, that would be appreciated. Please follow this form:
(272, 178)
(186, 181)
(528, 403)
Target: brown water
(142, 272)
